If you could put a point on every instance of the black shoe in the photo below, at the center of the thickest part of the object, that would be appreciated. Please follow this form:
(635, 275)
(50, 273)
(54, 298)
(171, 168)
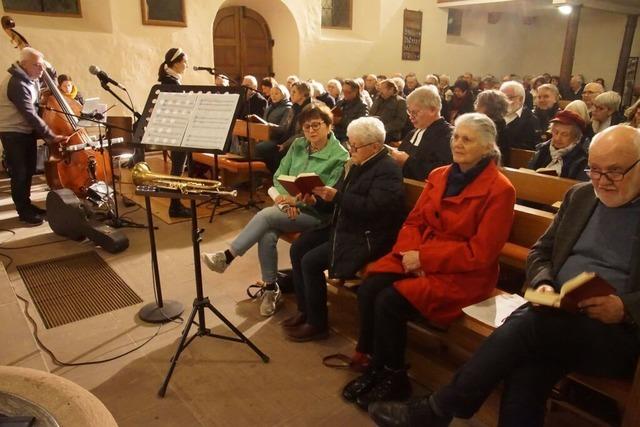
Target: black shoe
(363, 384)
(37, 210)
(394, 386)
(179, 212)
(417, 412)
(30, 217)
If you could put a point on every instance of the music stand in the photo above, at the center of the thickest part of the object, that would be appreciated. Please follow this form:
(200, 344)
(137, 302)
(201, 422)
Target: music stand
(202, 115)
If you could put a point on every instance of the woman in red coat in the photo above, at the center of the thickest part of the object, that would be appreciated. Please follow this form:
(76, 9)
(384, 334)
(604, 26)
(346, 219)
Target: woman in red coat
(445, 258)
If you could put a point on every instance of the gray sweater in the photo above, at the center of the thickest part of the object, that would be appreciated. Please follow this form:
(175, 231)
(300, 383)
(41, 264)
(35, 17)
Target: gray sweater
(19, 96)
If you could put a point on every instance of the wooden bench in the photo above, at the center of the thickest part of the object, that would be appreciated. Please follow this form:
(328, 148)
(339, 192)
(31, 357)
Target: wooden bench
(233, 169)
(520, 158)
(537, 188)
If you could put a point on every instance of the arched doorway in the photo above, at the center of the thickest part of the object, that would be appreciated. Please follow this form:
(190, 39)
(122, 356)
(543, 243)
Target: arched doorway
(242, 43)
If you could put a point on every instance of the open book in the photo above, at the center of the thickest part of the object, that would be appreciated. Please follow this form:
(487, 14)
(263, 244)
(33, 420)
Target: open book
(256, 119)
(301, 184)
(583, 286)
(547, 171)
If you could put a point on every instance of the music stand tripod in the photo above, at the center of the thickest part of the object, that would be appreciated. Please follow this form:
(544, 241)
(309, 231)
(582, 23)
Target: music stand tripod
(201, 302)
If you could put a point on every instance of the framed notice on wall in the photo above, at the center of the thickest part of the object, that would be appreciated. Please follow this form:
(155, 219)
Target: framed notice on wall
(411, 35)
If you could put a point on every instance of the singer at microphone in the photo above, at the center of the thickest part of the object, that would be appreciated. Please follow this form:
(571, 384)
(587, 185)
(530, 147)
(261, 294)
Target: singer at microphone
(103, 77)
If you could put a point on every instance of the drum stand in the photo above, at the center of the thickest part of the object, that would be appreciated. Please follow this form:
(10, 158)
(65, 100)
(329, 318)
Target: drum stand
(201, 302)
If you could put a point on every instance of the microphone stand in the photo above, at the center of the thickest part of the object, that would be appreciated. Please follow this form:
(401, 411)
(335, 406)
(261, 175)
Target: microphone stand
(115, 221)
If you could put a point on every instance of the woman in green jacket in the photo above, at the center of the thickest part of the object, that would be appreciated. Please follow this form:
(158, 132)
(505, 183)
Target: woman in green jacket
(319, 152)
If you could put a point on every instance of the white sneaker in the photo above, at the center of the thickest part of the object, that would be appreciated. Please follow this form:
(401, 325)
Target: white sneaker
(216, 261)
(270, 300)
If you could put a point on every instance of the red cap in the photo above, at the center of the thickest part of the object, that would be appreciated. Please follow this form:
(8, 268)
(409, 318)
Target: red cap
(567, 117)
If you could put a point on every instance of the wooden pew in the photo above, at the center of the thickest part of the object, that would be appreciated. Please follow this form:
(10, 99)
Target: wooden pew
(519, 158)
(538, 188)
(234, 169)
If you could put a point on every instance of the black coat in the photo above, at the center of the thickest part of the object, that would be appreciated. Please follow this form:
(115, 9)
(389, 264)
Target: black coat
(573, 163)
(256, 105)
(434, 150)
(168, 79)
(327, 99)
(393, 113)
(351, 110)
(369, 210)
(521, 132)
(542, 119)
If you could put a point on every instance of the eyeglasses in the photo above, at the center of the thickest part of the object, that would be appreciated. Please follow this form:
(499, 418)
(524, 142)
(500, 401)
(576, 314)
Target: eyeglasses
(613, 176)
(355, 148)
(312, 125)
(413, 113)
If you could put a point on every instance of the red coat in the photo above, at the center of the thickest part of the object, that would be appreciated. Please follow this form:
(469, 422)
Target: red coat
(459, 239)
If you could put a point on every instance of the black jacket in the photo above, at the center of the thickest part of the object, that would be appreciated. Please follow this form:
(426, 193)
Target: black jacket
(573, 163)
(554, 247)
(327, 99)
(168, 79)
(393, 113)
(289, 126)
(542, 119)
(521, 132)
(368, 211)
(434, 150)
(256, 105)
(351, 110)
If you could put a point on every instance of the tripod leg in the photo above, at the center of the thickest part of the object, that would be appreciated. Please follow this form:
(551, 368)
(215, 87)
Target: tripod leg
(236, 331)
(181, 346)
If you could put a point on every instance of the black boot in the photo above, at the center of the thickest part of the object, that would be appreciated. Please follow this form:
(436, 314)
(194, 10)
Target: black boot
(177, 210)
(395, 385)
(417, 412)
(363, 383)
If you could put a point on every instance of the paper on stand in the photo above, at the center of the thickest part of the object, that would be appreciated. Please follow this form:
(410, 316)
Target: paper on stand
(493, 311)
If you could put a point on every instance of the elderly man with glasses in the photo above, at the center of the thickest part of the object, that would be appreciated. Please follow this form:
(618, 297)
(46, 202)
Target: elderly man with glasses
(427, 147)
(597, 229)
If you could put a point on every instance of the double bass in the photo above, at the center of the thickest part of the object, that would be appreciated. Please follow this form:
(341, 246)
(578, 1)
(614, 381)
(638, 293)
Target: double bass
(74, 163)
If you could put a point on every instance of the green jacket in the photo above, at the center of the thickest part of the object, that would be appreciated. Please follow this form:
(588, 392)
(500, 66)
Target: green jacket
(327, 163)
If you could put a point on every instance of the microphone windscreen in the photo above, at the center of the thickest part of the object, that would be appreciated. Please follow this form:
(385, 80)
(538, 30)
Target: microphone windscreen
(94, 70)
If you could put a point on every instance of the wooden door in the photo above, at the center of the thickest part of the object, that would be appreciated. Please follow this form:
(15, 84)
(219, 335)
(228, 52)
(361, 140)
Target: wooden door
(242, 43)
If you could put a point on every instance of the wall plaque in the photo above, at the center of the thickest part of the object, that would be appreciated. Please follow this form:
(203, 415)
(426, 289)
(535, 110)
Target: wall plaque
(411, 35)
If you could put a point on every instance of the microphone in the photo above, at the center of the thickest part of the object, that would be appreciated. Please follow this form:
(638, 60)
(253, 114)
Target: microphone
(103, 77)
(209, 69)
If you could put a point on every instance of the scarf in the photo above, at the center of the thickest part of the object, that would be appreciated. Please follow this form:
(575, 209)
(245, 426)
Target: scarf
(172, 73)
(556, 157)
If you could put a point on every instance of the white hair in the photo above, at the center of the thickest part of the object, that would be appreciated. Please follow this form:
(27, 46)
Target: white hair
(517, 87)
(608, 99)
(336, 83)
(369, 130)
(399, 82)
(425, 97)
(252, 80)
(580, 108)
(486, 130)
(318, 89)
(28, 52)
(283, 90)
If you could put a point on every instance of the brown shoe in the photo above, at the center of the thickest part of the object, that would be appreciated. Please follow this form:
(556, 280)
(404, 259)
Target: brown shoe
(296, 320)
(307, 332)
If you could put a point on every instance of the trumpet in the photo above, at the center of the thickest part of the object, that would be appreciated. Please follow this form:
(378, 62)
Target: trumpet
(142, 175)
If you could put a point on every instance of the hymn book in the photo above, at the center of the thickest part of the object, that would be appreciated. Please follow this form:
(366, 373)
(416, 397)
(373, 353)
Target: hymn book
(301, 184)
(573, 291)
(547, 171)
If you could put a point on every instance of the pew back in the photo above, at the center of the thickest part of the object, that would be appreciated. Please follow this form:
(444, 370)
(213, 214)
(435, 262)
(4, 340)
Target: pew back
(520, 158)
(538, 188)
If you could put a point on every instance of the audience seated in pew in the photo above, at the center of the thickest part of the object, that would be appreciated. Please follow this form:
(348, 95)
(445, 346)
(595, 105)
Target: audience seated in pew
(391, 109)
(428, 146)
(580, 108)
(536, 346)
(320, 94)
(445, 258)
(547, 97)
(368, 208)
(317, 151)
(564, 153)
(461, 102)
(277, 112)
(605, 111)
(494, 104)
(349, 108)
(591, 90)
(287, 131)
(255, 103)
(520, 130)
(334, 87)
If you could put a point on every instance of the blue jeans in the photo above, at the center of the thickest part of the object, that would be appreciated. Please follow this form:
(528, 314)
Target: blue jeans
(264, 229)
(531, 351)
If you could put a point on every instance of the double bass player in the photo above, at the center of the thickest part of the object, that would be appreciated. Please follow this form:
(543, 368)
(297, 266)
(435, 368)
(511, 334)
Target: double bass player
(20, 126)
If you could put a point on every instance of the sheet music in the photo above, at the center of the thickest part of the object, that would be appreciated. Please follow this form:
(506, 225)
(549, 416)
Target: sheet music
(191, 120)
(210, 121)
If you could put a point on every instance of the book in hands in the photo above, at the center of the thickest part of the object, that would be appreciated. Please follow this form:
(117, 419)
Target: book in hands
(547, 171)
(256, 119)
(583, 286)
(301, 184)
